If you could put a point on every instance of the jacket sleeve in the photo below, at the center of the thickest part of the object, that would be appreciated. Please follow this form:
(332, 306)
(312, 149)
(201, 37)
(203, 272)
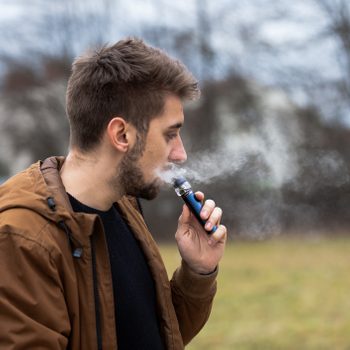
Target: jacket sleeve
(33, 313)
(192, 296)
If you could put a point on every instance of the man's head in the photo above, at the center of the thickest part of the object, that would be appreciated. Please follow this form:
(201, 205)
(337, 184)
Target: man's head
(132, 82)
(129, 79)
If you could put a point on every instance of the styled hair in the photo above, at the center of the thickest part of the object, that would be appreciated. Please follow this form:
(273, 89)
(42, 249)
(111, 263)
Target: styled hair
(128, 79)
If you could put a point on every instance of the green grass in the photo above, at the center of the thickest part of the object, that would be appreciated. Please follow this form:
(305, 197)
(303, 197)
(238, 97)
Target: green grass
(281, 294)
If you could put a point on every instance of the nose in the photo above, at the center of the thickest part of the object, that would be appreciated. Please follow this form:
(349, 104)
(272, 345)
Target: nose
(178, 153)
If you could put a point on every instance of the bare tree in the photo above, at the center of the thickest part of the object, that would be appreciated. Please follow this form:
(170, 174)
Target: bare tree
(338, 28)
(33, 86)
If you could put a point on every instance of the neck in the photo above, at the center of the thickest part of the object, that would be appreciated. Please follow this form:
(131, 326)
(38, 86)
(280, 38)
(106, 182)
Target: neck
(91, 179)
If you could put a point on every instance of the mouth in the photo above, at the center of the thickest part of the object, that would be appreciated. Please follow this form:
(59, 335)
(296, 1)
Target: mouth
(164, 174)
(167, 173)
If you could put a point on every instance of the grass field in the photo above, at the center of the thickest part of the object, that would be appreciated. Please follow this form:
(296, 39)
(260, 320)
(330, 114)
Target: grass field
(281, 294)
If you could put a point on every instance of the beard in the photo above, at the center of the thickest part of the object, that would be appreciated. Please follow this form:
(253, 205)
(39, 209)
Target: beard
(131, 178)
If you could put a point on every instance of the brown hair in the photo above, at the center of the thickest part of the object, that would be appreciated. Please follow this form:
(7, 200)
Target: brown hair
(129, 79)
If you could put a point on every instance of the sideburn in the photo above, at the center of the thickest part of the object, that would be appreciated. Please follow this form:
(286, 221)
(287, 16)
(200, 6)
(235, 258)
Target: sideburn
(130, 177)
(137, 151)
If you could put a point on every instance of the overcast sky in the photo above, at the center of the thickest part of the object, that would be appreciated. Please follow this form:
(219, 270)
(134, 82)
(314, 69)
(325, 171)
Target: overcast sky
(303, 22)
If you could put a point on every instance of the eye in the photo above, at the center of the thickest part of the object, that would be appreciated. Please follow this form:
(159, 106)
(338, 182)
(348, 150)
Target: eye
(170, 136)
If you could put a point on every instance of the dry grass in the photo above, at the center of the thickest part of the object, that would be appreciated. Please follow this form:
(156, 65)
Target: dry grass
(289, 293)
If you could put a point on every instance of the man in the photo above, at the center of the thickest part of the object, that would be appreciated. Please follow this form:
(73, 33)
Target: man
(78, 267)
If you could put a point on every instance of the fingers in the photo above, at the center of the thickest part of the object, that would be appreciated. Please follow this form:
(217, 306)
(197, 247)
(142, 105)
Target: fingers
(200, 196)
(219, 236)
(210, 213)
(207, 209)
(214, 219)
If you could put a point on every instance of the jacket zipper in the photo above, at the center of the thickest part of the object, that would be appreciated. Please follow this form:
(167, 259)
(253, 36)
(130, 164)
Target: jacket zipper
(96, 295)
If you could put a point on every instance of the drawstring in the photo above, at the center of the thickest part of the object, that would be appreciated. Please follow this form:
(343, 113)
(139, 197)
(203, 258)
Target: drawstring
(77, 252)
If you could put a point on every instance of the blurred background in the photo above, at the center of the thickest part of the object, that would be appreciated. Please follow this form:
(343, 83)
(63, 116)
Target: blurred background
(272, 126)
(270, 139)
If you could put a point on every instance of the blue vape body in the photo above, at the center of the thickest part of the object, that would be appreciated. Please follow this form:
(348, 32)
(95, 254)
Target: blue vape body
(184, 190)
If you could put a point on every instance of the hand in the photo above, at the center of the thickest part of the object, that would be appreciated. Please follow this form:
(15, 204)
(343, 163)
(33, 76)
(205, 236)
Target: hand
(200, 249)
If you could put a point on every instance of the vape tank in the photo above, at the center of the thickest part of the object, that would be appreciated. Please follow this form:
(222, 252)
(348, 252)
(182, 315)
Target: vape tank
(184, 190)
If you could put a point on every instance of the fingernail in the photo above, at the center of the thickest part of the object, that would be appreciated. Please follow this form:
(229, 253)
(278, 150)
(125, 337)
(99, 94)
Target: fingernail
(208, 225)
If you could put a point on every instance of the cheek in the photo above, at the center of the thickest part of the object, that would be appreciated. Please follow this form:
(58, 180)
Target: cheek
(154, 162)
(150, 161)
(159, 154)
(156, 154)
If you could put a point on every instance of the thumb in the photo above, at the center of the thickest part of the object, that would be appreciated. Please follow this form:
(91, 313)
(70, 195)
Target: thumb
(185, 215)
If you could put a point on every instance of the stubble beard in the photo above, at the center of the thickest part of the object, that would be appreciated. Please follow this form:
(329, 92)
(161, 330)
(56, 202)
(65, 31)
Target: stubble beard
(130, 176)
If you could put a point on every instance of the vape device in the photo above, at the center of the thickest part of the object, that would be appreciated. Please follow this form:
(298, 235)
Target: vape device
(184, 190)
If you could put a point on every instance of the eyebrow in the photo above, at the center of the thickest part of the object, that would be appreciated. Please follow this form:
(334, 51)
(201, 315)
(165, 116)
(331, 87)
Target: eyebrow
(175, 126)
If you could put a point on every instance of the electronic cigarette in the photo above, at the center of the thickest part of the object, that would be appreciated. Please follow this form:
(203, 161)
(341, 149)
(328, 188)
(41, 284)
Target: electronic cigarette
(184, 190)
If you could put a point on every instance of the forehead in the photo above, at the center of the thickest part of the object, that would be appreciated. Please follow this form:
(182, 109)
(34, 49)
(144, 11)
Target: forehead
(172, 113)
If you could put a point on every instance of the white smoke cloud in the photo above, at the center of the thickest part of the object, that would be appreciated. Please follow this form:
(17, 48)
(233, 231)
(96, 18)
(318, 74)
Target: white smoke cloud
(268, 156)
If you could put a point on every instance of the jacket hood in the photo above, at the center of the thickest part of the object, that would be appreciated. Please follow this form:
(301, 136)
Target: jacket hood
(38, 188)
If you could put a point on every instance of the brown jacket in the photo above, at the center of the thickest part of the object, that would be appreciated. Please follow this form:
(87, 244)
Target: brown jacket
(55, 278)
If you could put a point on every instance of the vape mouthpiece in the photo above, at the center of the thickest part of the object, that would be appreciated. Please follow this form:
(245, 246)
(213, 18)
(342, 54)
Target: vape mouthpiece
(178, 181)
(181, 185)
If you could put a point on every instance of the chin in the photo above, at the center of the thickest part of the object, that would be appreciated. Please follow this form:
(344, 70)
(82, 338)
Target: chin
(146, 191)
(149, 196)
(149, 193)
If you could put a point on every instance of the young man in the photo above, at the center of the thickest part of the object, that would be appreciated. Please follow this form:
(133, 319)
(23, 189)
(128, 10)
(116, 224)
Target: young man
(78, 267)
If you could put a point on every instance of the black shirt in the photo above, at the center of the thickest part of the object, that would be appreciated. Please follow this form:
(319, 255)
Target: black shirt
(137, 323)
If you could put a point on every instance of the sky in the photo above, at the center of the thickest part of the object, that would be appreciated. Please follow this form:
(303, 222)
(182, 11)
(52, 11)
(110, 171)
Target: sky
(288, 26)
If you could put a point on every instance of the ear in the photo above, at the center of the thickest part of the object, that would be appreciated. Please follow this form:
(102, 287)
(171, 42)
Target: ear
(121, 134)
